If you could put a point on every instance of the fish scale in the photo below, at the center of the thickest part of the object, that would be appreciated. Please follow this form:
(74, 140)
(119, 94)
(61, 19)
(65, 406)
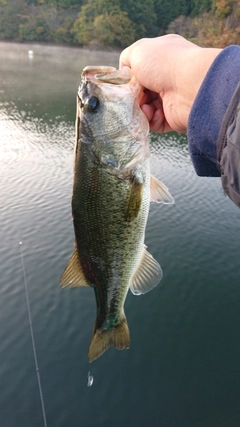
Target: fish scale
(110, 201)
(101, 228)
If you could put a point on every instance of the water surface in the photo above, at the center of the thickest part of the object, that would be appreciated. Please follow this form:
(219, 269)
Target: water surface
(182, 369)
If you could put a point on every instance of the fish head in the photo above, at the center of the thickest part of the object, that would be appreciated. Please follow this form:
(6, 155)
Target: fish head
(109, 116)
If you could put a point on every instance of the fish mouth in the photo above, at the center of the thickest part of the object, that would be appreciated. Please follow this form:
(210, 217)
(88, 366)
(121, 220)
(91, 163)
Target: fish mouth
(88, 97)
(89, 90)
(107, 74)
(91, 71)
(99, 82)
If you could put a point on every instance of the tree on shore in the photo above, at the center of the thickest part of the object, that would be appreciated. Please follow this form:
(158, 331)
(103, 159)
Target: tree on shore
(117, 23)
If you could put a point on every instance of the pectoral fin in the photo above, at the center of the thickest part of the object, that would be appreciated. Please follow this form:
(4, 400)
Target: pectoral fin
(134, 201)
(73, 275)
(147, 275)
(159, 192)
(136, 194)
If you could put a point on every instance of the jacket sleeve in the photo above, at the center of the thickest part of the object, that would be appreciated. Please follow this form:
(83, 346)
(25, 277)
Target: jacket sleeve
(215, 108)
(228, 149)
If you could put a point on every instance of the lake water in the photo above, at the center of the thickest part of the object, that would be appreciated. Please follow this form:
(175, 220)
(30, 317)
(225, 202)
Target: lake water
(183, 367)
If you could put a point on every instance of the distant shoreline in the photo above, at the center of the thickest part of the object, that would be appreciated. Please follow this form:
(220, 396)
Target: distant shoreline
(91, 47)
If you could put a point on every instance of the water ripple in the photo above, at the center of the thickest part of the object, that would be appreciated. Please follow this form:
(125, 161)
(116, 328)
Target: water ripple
(184, 334)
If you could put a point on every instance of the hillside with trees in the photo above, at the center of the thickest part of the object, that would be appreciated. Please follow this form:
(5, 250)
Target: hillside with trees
(117, 23)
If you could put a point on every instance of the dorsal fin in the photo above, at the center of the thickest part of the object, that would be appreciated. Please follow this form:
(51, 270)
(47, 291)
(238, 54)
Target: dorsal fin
(73, 275)
(147, 275)
(159, 192)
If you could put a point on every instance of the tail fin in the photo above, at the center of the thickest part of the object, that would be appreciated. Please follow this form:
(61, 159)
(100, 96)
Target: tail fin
(102, 339)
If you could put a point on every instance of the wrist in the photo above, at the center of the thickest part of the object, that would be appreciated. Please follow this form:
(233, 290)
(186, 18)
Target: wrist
(194, 67)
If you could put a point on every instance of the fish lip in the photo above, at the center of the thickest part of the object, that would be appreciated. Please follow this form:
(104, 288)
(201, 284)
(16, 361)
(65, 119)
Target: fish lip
(108, 75)
(95, 82)
(91, 71)
(88, 87)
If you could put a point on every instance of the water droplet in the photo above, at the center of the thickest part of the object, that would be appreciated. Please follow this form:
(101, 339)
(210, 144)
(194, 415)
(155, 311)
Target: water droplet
(90, 380)
(20, 243)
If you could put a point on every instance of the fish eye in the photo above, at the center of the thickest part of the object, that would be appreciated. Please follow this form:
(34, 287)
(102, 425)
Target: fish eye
(92, 104)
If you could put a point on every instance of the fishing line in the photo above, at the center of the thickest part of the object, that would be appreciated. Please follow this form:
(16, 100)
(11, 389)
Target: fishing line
(32, 336)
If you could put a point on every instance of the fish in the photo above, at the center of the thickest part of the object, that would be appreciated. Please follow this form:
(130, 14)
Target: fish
(112, 190)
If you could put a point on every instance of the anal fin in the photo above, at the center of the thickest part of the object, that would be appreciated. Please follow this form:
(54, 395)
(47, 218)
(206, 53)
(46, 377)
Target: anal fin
(147, 275)
(73, 275)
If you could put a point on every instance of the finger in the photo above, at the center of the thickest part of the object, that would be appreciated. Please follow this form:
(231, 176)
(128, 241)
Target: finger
(150, 97)
(148, 111)
(144, 100)
(158, 122)
(124, 59)
(150, 103)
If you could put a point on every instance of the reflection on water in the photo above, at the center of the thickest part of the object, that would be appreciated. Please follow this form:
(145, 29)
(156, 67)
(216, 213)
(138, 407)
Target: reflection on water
(183, 365)
(45, 85)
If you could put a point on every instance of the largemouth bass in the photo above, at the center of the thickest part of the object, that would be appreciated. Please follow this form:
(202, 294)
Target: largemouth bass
(110, 203)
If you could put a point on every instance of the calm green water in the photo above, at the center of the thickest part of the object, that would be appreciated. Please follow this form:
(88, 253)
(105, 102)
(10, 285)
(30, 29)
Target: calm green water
(183, 367)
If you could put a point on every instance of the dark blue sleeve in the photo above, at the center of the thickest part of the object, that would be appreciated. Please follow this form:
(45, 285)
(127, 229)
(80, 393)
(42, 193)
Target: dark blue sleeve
(209, 109)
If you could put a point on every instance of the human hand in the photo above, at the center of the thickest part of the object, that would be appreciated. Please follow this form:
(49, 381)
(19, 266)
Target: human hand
(171, 69)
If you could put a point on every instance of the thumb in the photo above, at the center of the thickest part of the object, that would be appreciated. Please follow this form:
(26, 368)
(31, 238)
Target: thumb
(124, 58)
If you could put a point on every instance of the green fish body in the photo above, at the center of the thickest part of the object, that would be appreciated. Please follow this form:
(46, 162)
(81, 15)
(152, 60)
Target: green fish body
(110, 203)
